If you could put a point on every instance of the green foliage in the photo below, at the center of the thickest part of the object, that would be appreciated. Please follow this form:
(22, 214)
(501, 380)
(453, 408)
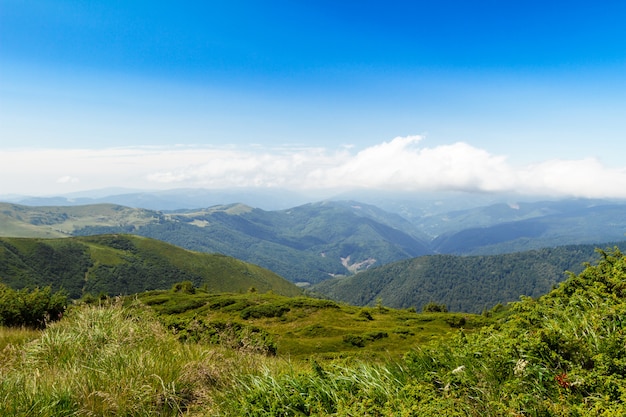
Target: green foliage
(433, 307)
(125, 264)
(185, 287)
(559, 355)
(562, 354)
(111, 361)
(365, 314)
(462, 283)
(264, 310)
(354, 340)
(296, 327)
(32, 308)
(230, 334)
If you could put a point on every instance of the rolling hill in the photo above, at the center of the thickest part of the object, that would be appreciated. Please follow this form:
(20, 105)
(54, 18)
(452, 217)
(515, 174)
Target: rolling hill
(63, 221)
(462, 283)
(310, 243)
(125, 264)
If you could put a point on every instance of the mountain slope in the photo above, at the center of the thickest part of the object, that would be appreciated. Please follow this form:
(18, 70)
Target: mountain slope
(308, 243)
(462, 283)
(313, 242)
(125, 264)
(503, 228)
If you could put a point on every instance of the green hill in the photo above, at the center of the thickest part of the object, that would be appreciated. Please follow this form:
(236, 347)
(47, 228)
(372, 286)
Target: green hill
(462, 283)
(313, 242)
(125, 264)
(62, 221)
(308, 243)
(504, 228)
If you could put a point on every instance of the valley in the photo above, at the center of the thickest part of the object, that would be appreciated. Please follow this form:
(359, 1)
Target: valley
(313, 242)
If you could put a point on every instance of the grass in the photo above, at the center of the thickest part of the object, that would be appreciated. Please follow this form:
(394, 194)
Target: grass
(560, 355)
(110, 361)
(16, 336)
(114, 359)
(303, 327)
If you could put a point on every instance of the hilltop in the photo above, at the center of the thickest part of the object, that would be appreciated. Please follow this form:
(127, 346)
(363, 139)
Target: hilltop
(308, 243)
(126, 264)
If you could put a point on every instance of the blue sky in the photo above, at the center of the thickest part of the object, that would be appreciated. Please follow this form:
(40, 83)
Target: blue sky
(478, 96)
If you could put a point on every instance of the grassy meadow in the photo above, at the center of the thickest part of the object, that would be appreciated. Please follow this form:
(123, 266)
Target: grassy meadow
(188, 353)
(303, 327)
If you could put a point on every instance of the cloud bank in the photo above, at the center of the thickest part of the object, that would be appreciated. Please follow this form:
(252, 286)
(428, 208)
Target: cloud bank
(402, 164)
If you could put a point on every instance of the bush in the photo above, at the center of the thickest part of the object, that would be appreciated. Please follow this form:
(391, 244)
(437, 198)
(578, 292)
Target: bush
(433, 307)
(366, 315)
(263, 310)
(456, 321)
(185, 287)
(376, 335)
(238, 336)
(354, 340)
(30, 308)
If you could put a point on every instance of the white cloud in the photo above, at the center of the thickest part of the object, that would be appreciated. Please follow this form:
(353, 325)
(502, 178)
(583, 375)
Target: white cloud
(402, 163)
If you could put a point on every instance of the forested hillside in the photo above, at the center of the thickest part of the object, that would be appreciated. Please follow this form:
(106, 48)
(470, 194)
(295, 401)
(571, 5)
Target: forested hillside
(462, 283)
(314, 242)
(125, 264)
(308, 243)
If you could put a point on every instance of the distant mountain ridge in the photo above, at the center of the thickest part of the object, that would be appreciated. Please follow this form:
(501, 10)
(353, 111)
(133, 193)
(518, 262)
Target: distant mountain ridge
(316, 241)
(534, 225)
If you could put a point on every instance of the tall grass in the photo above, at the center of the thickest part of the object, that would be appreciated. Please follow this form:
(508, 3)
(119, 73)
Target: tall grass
(104, 361)
(561, 355)
(340, 389)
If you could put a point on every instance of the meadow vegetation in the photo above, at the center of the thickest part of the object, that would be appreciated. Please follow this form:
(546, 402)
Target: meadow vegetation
(559, 355)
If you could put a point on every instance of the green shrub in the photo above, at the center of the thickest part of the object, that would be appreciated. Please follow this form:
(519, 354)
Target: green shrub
(376, 335)
(31, 308)
(456, 321)
(185, 287)
(238, 336)
(354, 340)
(263, 310)
(365, 314)
(433, 307)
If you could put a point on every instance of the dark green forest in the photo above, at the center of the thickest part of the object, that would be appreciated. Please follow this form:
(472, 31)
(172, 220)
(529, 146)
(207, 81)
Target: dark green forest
(462, 283)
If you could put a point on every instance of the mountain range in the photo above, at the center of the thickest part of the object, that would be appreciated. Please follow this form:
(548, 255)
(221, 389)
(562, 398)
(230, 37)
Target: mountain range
(313, 242)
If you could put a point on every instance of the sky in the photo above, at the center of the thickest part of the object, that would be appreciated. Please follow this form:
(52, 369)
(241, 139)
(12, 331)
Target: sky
(480, 96)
